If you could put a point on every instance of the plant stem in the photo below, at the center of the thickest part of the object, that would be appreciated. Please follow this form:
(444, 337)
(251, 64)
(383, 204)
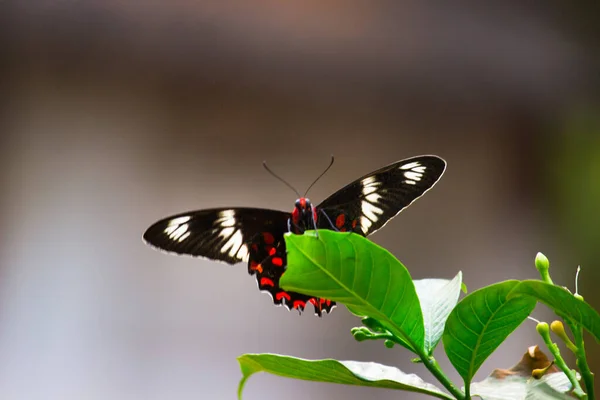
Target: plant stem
(432, 365)
(542, 329)
(584, 368)
(560, 363)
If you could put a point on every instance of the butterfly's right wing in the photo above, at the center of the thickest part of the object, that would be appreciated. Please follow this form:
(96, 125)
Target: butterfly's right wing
(221, 234)
(234, 235)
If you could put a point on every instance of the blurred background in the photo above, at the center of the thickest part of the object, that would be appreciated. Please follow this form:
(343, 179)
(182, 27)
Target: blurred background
(115, 114)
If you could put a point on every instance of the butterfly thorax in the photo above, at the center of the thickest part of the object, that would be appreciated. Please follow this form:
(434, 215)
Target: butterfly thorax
(304, 216)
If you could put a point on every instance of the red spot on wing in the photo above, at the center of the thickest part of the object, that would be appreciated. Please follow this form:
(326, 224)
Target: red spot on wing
(282, 295)
(342, 229)
(266, 282)
(354, 224)
(272, 251)
(313, 301)
(340, 220)
(299, 304)
(256, 267)
(277, 261)
(295, 215)
(268, 237)
(255, 247)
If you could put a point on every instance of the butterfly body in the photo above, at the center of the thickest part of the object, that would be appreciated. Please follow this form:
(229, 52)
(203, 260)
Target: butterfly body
(255, 235)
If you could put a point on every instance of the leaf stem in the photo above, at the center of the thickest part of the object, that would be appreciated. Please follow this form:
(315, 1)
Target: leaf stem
(432, 365)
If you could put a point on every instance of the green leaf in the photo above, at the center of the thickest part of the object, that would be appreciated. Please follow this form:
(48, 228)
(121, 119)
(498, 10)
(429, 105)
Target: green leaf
(549, 387)
(333, 371)
(352, 270)
(480, 323)
(562, 302)
(437, 297)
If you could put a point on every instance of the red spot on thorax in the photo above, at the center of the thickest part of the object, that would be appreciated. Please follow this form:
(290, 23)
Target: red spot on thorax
(282, 295)
(277, 261)
(302, 201)
(340, 220)
(266, 282)
(295, 215)
(268, 237)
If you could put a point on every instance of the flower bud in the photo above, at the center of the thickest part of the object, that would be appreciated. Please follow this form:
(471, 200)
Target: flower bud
(543, 265)
(360, 336)
(543, 329)
(538, 373)
(559, 330)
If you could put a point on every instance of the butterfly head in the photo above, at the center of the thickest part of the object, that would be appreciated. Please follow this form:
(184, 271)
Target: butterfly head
(304, 215)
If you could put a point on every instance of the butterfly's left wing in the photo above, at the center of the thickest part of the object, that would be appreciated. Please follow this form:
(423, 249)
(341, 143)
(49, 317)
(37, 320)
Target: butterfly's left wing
(368, 203)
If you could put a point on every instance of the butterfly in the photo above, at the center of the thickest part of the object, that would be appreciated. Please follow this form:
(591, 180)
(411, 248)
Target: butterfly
(255, 235)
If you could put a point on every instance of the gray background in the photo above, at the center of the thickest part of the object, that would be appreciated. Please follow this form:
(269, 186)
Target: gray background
(116, 114)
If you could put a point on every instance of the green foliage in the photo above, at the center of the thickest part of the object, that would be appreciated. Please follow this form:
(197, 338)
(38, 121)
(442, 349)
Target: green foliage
(563, 302)
(393, 308)
(437, 298)
(364, 277)
(333, 371)
(480, 323)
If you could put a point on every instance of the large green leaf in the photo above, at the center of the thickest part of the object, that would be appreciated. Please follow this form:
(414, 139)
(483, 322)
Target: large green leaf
(562, 302)
(352, 270)
(437, 297)
(333, 371)
(480, 323)
(549, 387)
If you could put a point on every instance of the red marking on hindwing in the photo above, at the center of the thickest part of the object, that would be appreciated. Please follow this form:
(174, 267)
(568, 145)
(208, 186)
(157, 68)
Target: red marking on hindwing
(313, 301)
(299, 304)
(268, 237)
(254, 266)
(272, 251)
(340, 220)
(342, 229)
(282, 295)
(255, 247)
(354, 224)
(266, 282)
(277, 261)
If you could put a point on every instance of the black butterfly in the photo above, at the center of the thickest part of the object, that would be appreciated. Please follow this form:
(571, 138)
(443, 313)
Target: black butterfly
(255, 235)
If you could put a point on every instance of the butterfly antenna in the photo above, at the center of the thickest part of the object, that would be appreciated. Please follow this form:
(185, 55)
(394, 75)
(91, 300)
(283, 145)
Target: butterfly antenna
(319, 177)
(280, 179)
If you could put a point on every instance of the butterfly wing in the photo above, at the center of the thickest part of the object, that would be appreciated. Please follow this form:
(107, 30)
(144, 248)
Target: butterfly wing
(222, 234)
(234, 235)
(367, 204)
(268, 260)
